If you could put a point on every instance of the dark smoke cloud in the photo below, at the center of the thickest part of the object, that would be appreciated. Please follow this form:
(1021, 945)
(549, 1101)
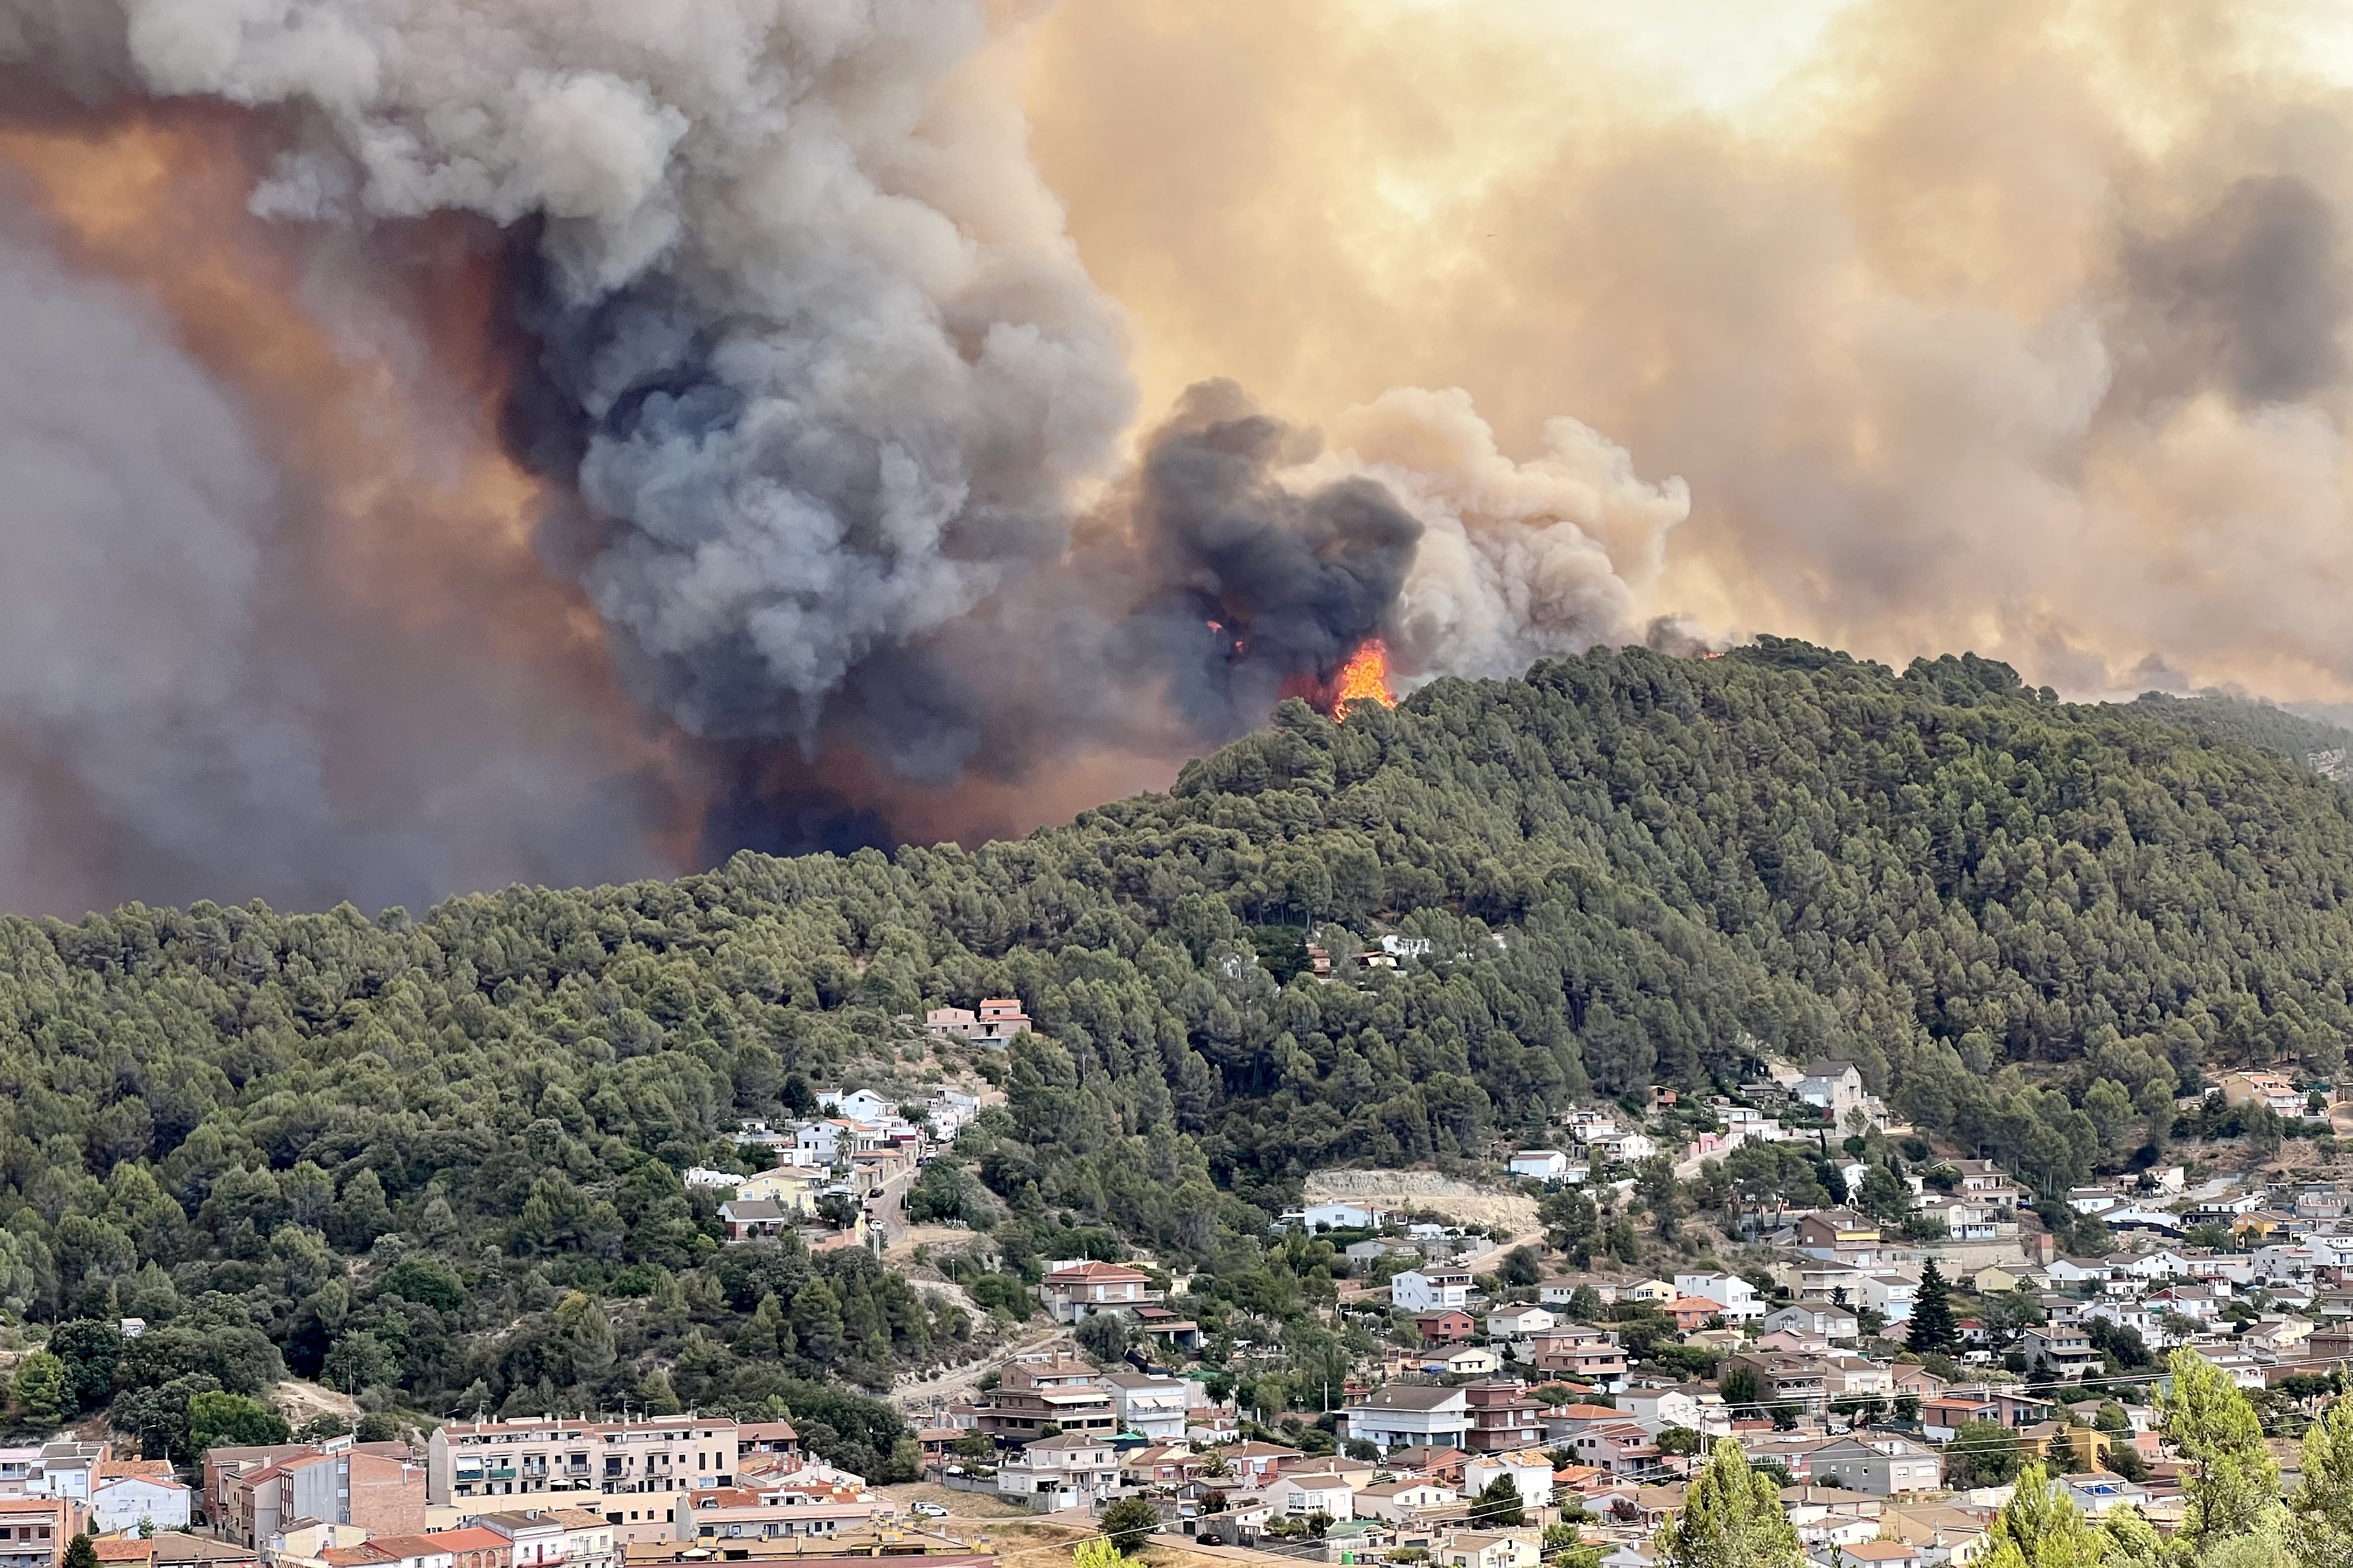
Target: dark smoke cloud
(831, 413)
(184, 709)
(2249, 299)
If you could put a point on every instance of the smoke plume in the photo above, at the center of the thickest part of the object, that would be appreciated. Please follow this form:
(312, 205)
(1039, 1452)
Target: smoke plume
(2017, 325)
(518, 437)
(817, 411)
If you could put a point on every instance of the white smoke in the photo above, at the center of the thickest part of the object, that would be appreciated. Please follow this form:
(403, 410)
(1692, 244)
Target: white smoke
(1518, 561)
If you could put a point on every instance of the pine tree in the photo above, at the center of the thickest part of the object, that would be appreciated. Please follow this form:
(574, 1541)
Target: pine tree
(1731, 1518)
(2234, 1482)
(1933, 1332)
(2319, 1528)
(81, 1553)
(2041, 1527)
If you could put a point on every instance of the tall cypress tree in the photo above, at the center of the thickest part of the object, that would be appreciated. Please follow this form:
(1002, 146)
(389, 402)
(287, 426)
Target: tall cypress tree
(1933, 1330)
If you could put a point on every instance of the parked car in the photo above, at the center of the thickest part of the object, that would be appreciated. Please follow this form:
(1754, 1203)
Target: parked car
(930, 1511)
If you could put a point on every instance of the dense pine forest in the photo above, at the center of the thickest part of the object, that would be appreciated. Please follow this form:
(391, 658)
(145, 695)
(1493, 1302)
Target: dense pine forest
(436, 1157)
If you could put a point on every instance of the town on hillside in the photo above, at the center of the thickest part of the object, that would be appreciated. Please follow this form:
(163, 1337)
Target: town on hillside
(1522, 1370)
(1890, 1329)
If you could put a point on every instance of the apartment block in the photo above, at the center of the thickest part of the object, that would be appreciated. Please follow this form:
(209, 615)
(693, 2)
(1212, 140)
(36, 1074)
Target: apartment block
(631, 1470)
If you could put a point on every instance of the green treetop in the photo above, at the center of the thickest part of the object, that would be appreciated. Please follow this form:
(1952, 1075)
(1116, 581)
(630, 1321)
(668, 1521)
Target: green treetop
(1731, 1518)
(2233, 1485)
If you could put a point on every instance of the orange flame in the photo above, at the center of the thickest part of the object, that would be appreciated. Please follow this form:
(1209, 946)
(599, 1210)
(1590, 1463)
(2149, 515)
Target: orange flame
(1364, 679)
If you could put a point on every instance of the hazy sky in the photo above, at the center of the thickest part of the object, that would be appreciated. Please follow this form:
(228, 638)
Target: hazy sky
(2016, 325)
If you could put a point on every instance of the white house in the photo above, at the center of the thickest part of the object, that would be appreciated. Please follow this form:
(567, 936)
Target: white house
(1627, 1146)
(1735, 1296)
(1543, 1165)
(1398, 1415)
(1824, 1318)
(1511, 1323)
(1067, 1471)
(1154, 1406)
(132, 1491)
(1890, 1294)
(1399, 1502)
(1346, 1217)
(1430, 1289)
(1695, 1406)
(858, 1105)
(1530, 1471)
(1302, 1495)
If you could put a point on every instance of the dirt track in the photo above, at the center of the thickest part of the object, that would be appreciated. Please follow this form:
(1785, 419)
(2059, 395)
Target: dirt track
(1458, 1200)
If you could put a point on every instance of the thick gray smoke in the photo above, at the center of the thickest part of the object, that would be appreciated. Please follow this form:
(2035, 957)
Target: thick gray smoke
(183, 713)
(832, 409)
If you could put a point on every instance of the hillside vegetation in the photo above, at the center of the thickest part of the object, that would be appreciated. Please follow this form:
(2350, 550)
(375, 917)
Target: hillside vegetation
(437, 1156)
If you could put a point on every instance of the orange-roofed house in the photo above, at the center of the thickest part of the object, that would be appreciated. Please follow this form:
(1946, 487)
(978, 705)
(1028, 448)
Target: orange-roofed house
(125, 1550)
(131, 1492)
(474, 1547)
(1072, 1292)
(1691, 1312)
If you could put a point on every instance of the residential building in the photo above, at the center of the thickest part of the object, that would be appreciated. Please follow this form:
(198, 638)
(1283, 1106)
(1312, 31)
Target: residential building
(1891, 1295)
(1302, 1495)
(1072, 1291)
(555, 1538)
(1446, 1328)
(33, 1532)
(1483, 1549)
(1518, 1322)
(1794, 1382)
(1430, 1289)
(1619, 1446)
(951, 1022)
(1400, 1415)
(1947, 1536)
(1734, 1297)
(133, 1492)
(1501, 1418)
(1834, 1087)
(1152, 1406)
(2063, 1352)
(1884, 1465)
(1037, 1390)
(1574, 1350)
(1626, 1147)
(1069, 1472)
(813, 1503)
(1562, 1288)
(1543, 1165)
(754, 1219)
(1695, 1406)
(2267, 1089)
(775, 1439)
(1822, 1319)
(1988, 1183)
(1406, 1501)
(1470, 1361)
(1857, 1377)
(374, 1486)
(632, 1469)
(1834, 1234)
(1528, 1470)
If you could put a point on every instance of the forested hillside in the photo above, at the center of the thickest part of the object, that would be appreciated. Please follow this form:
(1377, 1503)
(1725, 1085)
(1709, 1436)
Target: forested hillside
(437, 1156)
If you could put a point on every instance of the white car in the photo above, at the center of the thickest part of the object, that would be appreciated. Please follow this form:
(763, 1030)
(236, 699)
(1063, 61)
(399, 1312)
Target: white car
(930, 1511)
